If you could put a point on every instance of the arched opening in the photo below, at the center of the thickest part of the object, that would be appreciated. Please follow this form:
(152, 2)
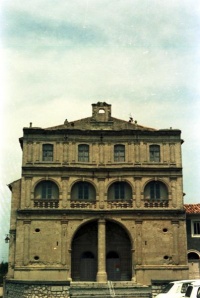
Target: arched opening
(118, 253)
(46, 190)
(83, 191)
(118, 261)
(193, 256)
(194, 264)
(84, 253)
(120, 191)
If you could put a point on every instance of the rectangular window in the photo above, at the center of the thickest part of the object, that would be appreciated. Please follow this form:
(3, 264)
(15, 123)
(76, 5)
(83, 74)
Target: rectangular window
(83, 191)
(83, 153)
(46, 190)
(154, 191)
(119, 153)
(195, 228)
(119, 191)
(47, 152)
(154, 152)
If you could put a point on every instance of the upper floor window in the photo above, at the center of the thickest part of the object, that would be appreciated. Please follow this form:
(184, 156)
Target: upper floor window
(119, 153)
(195, 224)
(46, 190)
(83, 152)
(47, 152)
(119, 191)
(154, 152)
(156, 190)
(83, 191)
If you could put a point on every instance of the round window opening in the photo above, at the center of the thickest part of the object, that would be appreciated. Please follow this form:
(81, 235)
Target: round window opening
(37, 230)
(36, 258)
(166, 257)
(165, 230)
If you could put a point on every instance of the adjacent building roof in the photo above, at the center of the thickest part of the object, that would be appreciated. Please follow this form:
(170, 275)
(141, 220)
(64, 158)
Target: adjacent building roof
(192, 208)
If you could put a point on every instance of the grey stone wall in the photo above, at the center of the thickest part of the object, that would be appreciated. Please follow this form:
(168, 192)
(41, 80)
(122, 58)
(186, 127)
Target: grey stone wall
(14, 289)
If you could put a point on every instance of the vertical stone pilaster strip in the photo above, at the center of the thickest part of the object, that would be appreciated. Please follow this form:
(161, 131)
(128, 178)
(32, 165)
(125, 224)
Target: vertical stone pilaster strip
(133, 265)
(73, 152)
(37, 151)
(137, 192)
(172, 153)
(129, 157)
(26, 241)
(137, 153)
(65, 192)
(139, 242)
(101, 157)
(101, 274)
(65, 152)
(175, 256)
(30, 152)
(64, 224)
(12, 247)
(101, 202)
(57, 153)
(28, 191)
(173, 192)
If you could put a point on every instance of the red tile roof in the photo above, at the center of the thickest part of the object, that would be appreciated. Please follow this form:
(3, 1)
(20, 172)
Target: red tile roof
(192, 208)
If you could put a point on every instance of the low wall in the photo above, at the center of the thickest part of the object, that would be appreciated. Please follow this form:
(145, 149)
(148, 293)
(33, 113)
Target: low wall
(36, 289)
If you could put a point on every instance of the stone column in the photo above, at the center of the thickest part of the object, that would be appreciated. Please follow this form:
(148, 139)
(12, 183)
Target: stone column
(101, 274)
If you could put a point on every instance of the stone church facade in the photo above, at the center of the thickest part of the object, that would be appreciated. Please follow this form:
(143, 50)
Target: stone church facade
(99, 199)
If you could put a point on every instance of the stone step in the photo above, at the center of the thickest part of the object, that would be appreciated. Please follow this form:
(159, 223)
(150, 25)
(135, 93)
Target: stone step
(99, 290)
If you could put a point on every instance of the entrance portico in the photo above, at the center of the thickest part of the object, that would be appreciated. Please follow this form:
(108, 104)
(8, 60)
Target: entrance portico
(101, 251)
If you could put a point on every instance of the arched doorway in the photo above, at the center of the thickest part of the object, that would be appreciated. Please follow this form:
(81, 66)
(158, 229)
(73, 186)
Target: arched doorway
(84, 253)
(194, 264)
(84, 264)
(118, 253)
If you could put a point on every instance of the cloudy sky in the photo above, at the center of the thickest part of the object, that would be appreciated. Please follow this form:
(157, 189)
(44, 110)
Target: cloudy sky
(58, 57)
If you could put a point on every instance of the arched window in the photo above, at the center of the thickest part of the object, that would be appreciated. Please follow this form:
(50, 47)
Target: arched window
(46, 190)
(83, 152)
(154, 153)
(119, 153)
(83, 191)
(47, 152)
(156, 190)
(120, 191)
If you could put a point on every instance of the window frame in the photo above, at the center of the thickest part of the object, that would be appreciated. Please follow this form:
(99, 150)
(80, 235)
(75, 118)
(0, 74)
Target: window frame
(195, 225)
(83, 153)
(119, 191)
(154, 153)
(48, 152)
(119, 154)
(83, 191)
